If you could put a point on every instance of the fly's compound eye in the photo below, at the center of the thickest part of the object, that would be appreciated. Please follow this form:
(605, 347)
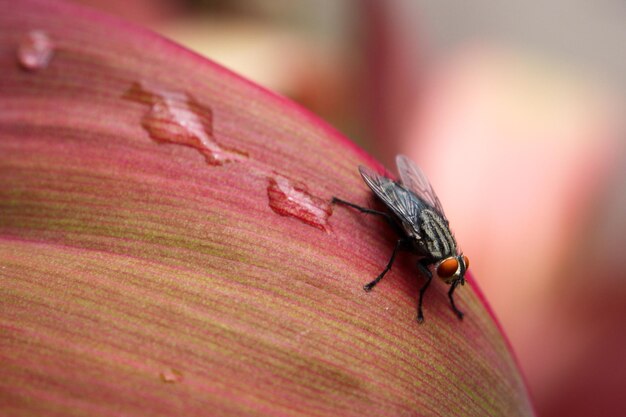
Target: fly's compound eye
(466, 261)
(447, 268)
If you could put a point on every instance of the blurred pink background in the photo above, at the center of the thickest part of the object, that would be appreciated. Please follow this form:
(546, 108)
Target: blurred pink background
(516, 112)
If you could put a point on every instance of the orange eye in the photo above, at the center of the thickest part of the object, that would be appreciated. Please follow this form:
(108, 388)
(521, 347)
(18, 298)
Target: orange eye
(466, 261)
(447, 268)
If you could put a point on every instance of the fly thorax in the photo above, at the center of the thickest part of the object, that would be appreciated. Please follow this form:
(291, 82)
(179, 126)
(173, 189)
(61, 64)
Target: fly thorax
(436, 234)
(411, 230)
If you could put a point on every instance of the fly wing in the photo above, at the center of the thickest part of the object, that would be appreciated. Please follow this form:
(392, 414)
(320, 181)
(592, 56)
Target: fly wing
(397, 198)
(414, 179)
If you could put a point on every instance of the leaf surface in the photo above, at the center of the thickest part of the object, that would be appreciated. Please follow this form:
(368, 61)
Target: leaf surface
(167, 247)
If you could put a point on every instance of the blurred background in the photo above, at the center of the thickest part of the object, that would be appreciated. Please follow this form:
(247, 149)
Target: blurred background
(516, 112)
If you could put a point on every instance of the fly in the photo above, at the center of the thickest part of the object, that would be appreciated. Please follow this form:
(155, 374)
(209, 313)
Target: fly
(417, 216)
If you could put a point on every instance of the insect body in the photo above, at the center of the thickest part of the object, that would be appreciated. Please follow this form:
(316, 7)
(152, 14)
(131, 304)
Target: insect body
(418, 217)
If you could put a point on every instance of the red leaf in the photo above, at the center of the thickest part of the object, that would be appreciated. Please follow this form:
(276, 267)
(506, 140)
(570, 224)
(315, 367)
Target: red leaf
(142, 277)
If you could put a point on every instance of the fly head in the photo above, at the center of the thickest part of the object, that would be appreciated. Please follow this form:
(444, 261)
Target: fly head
(452, 269)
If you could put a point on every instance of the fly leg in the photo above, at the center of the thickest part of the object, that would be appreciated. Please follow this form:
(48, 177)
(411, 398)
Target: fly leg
(399, 244)
(386, 216)
(458, 312)
(429, 277)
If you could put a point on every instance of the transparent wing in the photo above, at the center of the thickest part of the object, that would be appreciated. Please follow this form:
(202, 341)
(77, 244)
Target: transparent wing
(399, 200)
(414, 179)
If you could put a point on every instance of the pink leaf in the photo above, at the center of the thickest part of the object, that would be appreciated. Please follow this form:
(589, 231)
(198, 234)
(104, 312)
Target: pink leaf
(146, 269)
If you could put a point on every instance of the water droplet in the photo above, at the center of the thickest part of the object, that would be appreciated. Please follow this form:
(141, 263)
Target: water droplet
(171, 376)
(176, 117)
(35, 50)
(302, 334)
(289, 198)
